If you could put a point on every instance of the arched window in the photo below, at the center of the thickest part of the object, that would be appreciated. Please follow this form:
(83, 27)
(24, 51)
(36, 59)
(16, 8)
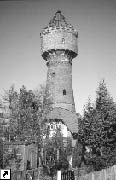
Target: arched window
(64, 92)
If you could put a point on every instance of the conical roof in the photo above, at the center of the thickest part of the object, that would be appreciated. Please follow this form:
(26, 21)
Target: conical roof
(59, 21)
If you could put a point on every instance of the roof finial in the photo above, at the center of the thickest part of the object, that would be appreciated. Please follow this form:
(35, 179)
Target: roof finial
(59, 11)
(58, 20)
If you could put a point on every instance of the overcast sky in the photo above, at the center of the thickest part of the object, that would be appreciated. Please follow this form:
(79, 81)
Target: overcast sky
(20, 58)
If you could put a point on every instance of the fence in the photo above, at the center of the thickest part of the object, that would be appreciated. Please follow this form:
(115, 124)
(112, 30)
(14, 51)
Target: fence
(25, 175)
(69, 175)
(18, 175)
(104, 174)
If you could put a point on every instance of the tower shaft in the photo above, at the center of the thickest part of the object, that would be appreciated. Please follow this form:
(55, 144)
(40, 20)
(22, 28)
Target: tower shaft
(59, 81)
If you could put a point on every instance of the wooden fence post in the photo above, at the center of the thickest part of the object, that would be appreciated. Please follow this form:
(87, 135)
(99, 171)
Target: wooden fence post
(58, 175)
(105, 174)
(92, 176)
(115, 171)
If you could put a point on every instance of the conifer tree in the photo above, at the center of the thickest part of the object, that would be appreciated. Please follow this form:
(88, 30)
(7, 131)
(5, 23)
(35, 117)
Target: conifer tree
(52, 147)
(97, 130)
(106, 111)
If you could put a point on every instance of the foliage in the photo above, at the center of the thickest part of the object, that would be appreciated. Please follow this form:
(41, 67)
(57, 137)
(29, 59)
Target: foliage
(28, 125)
(1, 153)
(25, 112)
(10, 156)
(97, 131)
(10, 104)
(56, 157)
(78, 155)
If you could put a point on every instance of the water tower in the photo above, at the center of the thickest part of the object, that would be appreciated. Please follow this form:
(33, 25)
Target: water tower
(58, 49)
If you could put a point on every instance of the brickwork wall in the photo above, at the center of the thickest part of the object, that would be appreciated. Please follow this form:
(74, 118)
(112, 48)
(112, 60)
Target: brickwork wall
(59, 79)
(58, 48)
(59, 39)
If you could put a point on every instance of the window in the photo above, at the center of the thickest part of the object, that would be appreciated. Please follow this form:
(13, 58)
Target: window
(64, 92)
(51, 126)
(63, 40)
(53, 74)
(1, 115)
(60, 126)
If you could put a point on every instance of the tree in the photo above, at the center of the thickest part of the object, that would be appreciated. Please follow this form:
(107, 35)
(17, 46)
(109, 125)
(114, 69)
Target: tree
(55, 155)
(1, 153)
(28, 124)
(97, 130)
(25, 113)
(9, 157)
(10, 103)
(85, 137)
(106, 110)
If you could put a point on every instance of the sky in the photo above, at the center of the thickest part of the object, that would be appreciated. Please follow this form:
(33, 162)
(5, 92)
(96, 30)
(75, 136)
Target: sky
(21, 62)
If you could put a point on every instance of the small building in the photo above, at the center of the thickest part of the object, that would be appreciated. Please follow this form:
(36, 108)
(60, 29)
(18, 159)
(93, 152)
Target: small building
(24, 155)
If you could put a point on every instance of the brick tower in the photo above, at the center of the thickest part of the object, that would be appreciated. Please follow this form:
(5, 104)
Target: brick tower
(58, 48)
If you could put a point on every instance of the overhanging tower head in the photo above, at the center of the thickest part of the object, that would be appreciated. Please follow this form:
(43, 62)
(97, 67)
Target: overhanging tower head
(59, 35)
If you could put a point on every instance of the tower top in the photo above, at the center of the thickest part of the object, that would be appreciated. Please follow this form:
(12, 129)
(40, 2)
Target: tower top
(59, 22)
(59, 35)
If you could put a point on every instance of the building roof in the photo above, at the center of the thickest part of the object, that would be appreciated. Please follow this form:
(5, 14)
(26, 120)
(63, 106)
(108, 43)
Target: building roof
(59, 22)
(70, 119)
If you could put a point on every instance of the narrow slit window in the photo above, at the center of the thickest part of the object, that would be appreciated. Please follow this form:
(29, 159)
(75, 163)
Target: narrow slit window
(51, 126)
(64, 92)
(63, 40)
(53, 74)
